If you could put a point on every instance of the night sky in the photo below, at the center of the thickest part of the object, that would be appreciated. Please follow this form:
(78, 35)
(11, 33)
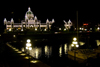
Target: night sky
(59, 10)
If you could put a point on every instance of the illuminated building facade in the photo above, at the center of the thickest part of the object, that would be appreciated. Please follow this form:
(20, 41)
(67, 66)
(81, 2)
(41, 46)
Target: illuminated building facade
(30, 22)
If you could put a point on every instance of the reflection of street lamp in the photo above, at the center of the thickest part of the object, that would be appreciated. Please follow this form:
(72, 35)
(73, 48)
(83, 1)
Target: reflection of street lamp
(74, 44)
(28, 47)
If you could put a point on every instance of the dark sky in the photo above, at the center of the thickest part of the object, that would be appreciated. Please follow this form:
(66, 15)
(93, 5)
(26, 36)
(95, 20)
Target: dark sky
(59, 10)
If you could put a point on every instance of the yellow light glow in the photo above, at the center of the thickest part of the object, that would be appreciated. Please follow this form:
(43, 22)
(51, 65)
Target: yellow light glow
(34, 61)
(28, 40)
(65, 29)
(59, 28)
(28, 44)
(19, 52)
(26, 47)
(14, 35)
(72, 45)
(60, 51)
(22, 49)
(26, 57)
(74, 39)
(36, 53)
(23, 54)
(16, 49)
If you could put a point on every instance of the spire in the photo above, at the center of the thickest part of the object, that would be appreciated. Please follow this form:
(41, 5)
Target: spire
(5, 19)
(47, 20)
(69, 21)
(12, 20)
(53, 20)
(29, 9)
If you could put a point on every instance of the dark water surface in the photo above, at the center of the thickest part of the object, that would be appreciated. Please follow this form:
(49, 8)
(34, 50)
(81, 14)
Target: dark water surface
(52, 49)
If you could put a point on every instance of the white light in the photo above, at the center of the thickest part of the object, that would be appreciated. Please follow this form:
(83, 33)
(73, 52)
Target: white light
(35, 29)
(28, 40)
(72, 45)
(74, 39)
(26, 47)
(77, 45)
(74, 42)
(30, 48)
(80, 28)
(28, 44)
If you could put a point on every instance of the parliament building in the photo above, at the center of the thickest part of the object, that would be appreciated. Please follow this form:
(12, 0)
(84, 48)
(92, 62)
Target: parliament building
(31, 22)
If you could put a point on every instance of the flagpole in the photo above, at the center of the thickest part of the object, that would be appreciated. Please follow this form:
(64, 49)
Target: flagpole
(77, 26)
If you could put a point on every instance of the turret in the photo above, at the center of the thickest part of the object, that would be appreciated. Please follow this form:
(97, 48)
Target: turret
(53, 20)
(35, 18)
(69, 22)
(5, 21)
(47, 21)
(12, 21)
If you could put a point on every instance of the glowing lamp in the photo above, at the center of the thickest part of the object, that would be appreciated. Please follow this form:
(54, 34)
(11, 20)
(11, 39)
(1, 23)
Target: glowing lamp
(28, 40)
(77, 45)
(74, 39)
(74, 42)
(28, 44)
(72, 45)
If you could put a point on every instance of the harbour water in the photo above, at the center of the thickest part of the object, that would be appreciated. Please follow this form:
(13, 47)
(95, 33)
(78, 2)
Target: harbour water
(53, 51)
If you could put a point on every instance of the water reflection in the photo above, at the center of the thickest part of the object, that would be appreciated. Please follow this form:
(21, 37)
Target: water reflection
(60, 51)
(65, 48)
(98, 42)
(36, 52)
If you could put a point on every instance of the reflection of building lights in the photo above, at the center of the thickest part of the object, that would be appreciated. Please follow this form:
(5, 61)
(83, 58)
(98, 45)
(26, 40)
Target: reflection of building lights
(60, 51)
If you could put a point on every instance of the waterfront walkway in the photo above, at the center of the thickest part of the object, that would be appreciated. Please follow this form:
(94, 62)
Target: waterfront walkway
(10, 58)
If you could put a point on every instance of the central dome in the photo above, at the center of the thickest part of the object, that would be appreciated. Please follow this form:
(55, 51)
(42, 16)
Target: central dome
(29, 14)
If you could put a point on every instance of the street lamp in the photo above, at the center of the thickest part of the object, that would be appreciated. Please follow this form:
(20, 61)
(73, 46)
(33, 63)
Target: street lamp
(28, 47)
(74, 44)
